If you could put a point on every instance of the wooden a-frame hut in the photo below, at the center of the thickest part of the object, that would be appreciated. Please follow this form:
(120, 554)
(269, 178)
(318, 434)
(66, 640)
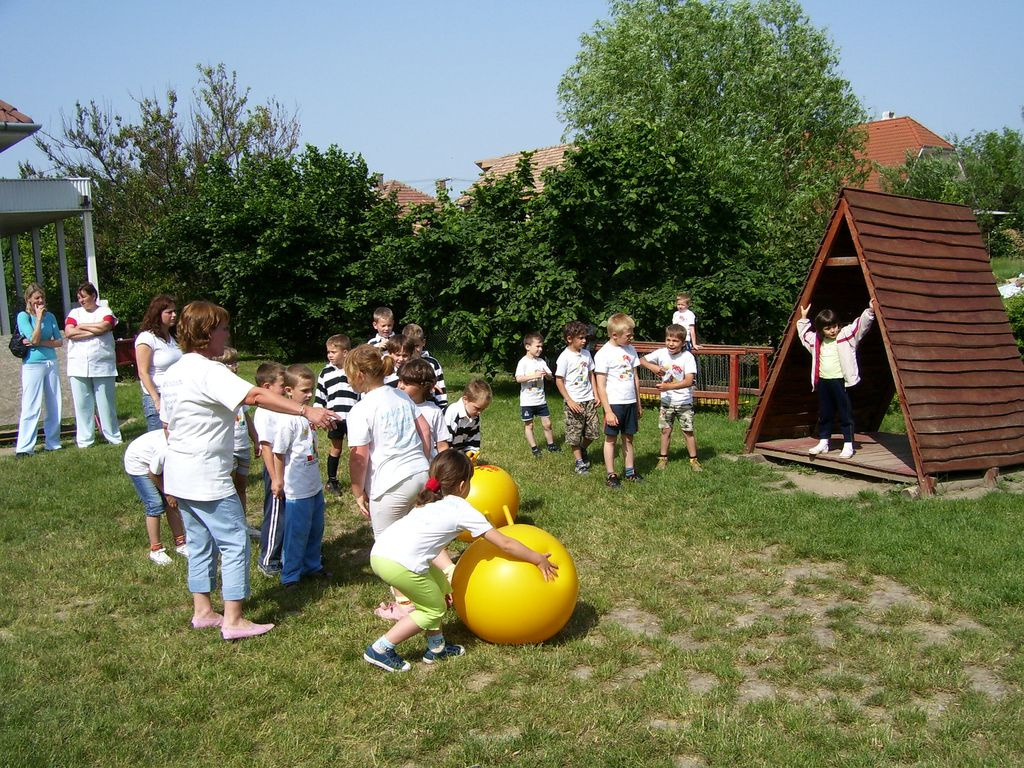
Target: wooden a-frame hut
(942, 342)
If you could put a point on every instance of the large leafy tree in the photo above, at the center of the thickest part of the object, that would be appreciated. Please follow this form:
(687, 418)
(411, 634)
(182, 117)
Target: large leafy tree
(752, 88)
(146, 169)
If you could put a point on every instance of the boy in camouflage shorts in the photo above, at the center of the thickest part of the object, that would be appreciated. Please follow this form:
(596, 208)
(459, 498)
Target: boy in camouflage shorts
(574, 377)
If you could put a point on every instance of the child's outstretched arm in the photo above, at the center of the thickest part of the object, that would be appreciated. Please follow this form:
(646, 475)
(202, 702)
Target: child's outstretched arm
(804, 311)
(510, 546)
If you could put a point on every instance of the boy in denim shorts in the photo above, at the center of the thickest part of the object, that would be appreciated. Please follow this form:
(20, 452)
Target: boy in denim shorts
(677, 368)
(530, 373)
(574, 377)
(618, 388)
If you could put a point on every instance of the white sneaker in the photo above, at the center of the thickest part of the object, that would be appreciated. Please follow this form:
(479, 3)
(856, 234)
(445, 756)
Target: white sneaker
(821, 447)
(160, 557)
(847, 451)
(182, 549)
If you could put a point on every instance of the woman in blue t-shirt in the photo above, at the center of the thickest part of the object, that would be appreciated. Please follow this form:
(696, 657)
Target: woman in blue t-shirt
(40, 381)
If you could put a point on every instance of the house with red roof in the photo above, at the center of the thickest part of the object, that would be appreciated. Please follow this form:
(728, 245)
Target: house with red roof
(890, 139)
(540, 161)
(28, 205)
(405, 196)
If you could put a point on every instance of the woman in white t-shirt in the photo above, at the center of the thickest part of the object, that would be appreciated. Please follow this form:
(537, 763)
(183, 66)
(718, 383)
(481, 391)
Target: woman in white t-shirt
(92, 367)
(199, 401)
(388, 441)
(156, 350)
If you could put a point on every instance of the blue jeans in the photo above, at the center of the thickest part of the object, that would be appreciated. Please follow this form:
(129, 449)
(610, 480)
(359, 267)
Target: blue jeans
(213, 527)
(303, 535)
(833, 398)
(95, 394)
(40, 383)
(153, 422)
(152, 500)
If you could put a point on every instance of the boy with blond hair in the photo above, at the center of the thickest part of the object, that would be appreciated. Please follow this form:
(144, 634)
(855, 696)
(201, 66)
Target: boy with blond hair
(462, 418)
(530, 373)
(334, 393)
(677, 368)
(618, 389)
(685, 317)
(574, 377)
(295, 450)
(383, 325)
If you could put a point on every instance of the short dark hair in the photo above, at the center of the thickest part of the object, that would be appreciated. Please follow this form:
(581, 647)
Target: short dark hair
(531, 337)
(269, 373)
(417, 372)
(825, 319)
(574, 329)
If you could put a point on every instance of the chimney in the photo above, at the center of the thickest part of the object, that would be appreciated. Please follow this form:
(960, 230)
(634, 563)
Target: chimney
(441, 186)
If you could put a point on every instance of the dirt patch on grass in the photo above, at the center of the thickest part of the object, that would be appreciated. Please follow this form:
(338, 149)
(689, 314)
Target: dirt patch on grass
(819, 634)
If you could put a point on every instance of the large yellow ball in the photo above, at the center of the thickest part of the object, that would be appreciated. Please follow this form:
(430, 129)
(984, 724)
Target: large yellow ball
(490, 491)
(506, 601)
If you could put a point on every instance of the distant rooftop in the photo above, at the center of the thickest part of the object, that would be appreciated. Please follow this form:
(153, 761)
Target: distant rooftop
(14, 126)
(547, 157)
(889, 140)
(405, 196)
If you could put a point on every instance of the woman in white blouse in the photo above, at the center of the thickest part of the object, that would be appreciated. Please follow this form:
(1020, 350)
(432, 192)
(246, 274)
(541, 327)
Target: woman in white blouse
(156, 350)
(92, 367)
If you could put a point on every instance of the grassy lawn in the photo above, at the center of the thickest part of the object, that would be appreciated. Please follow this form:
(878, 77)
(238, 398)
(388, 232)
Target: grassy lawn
(1006, 268)
(721, 622)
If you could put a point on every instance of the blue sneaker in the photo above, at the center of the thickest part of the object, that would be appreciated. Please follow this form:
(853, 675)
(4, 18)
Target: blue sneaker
(389, 659)
(449, 650)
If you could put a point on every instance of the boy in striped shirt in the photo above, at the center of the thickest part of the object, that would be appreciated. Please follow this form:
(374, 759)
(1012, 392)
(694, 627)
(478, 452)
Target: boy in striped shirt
(333, 392)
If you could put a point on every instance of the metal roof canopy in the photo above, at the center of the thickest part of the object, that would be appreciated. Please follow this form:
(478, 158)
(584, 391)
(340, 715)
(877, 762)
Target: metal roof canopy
(943, 343)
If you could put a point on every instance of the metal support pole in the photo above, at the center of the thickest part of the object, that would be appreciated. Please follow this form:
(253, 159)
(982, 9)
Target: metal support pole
(90, 250)
(5, 309)
(65, 289)
(37, 254)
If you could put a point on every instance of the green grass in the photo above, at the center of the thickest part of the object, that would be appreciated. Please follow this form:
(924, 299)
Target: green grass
(719, 621)
(1006, 268)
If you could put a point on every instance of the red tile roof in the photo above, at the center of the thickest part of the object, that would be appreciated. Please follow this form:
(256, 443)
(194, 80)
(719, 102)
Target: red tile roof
(9, 114)
(405, 196)
(888, 142)
(547, 157)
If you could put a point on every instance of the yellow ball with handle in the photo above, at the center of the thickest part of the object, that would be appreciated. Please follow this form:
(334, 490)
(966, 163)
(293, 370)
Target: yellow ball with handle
(491, 491)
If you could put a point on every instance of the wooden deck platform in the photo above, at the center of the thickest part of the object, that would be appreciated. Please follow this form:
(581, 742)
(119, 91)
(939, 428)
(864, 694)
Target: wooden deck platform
(878, 454)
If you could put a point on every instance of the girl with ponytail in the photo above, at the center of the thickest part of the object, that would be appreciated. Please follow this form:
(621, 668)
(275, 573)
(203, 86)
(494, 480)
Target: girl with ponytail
(403, 556)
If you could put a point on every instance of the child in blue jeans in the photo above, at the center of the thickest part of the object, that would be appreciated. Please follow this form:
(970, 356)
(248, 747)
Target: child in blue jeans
(144, 463)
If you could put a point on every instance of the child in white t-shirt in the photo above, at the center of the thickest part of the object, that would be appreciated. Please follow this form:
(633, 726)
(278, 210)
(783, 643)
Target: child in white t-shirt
(530, 373)
(270, 376)
(405, 553)
(294, 447)
(418, 380)
(678, 371)
(574, 377)
(618, 388)
(245, 435)
(684, 316)
(144, 464)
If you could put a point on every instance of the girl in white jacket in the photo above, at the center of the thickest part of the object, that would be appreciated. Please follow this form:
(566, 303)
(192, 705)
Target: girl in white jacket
(833, 369)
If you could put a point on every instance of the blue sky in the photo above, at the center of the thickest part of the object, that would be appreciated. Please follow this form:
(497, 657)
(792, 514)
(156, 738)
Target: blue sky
(422, 90)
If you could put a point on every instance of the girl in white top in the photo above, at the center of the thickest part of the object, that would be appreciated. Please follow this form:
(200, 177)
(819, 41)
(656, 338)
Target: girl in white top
(200, 398)
(156, 350)
(404, 556)
(388, 441)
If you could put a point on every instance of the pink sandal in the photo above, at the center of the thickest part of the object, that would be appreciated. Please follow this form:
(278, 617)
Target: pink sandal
(393, 611)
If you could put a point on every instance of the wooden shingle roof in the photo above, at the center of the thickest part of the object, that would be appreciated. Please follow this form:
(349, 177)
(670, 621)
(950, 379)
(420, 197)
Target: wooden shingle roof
(943, 344)
(888, 141)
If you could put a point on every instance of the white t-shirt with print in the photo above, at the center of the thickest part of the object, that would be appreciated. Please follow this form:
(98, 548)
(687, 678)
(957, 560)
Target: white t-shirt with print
(686, 318)
(575, 368)
(295, 439)
(385, 420)
(531, 392)
(619, 364)
(198, 405)
(265, 424)
(676, 369)
(416, 539)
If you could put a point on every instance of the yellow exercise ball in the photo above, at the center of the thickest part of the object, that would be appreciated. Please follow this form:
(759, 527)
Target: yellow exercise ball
(507, 601)
(490, 491)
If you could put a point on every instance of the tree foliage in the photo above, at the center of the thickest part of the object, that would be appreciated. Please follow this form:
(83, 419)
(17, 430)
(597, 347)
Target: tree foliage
(147, 169)
(751, 87)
